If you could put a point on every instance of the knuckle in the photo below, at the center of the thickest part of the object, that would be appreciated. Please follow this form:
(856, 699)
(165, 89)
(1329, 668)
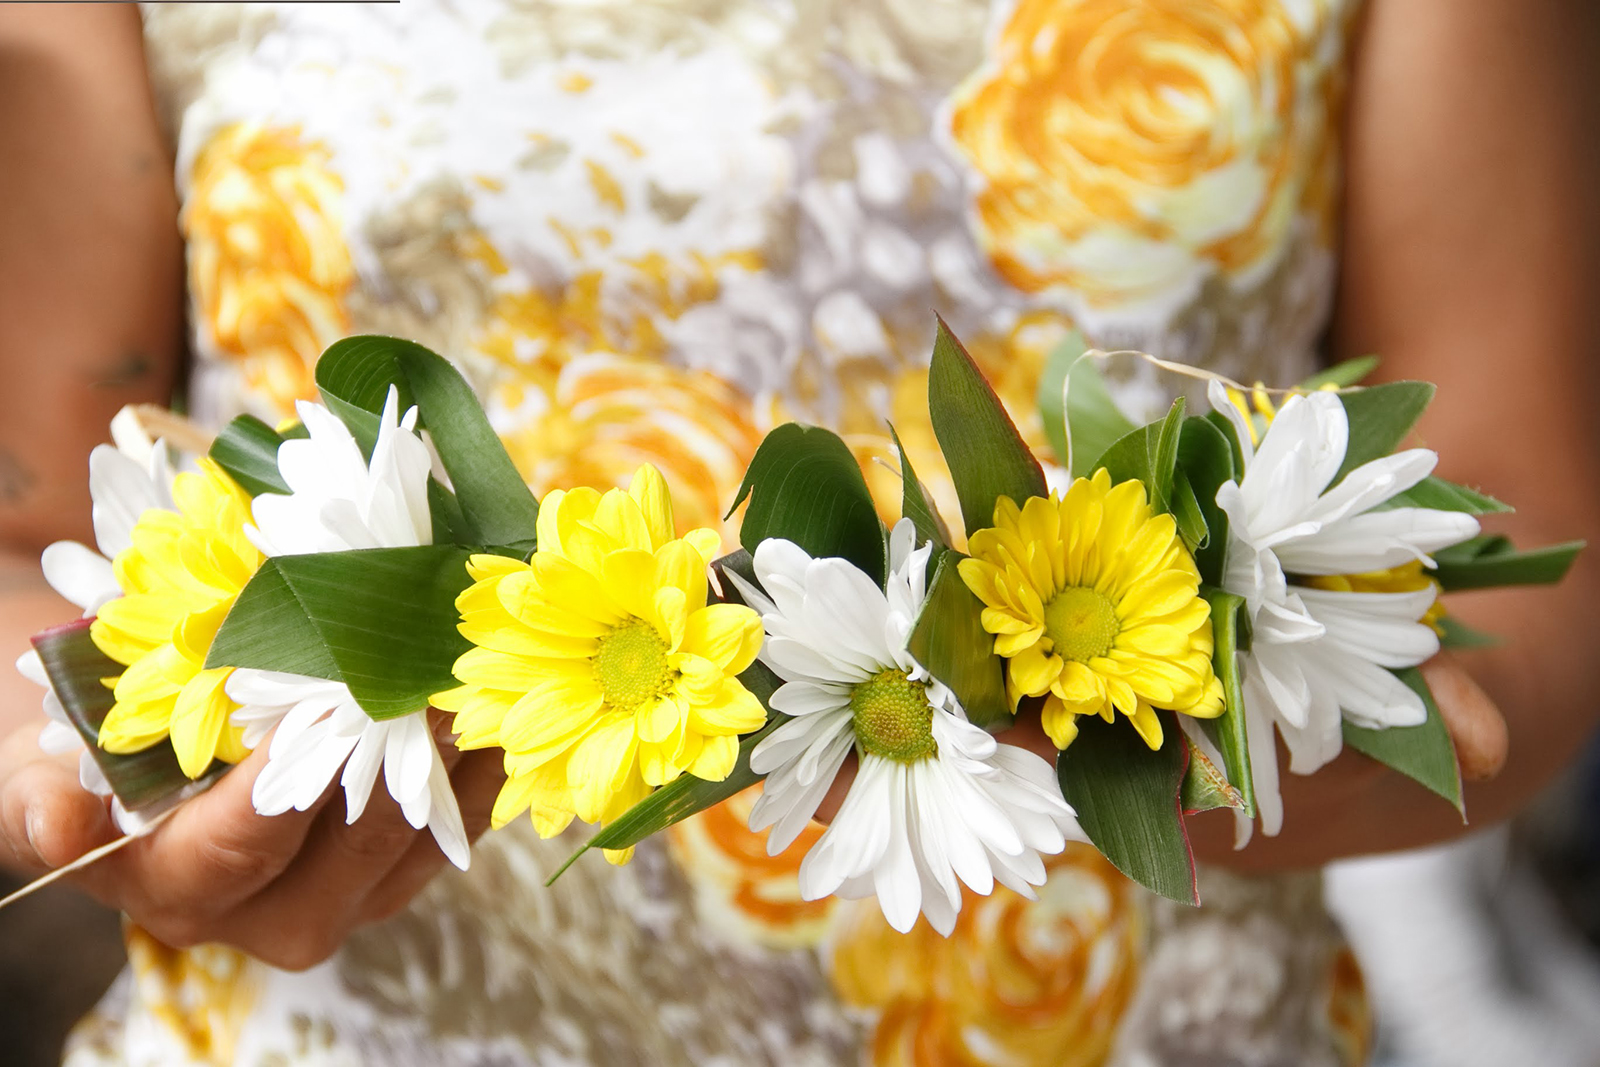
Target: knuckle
(237, 860)
(179, 931)
(376, 839)
(302, 951)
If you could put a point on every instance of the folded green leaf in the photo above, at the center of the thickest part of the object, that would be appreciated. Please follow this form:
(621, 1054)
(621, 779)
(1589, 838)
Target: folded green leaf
(1205, 787)
(382, 620)
(986, 455)
(1149, 454)
(77, 670)
(1341, 375)
(805, 486)
(917, 504)
(1458, 634)
(950, 641)
(354, 376)
(1129, 802)
(247, 449)
(1486, 562)
(1080, 416)
(1423, 753)
(1186, 511)
(687, 795)
(1227, 731)
(1206, 458)
(1447, 496)
(1380, 418)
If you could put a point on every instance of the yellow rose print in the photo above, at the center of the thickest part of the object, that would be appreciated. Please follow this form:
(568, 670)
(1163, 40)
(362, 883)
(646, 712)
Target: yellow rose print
(1128, 151)
(268, 264)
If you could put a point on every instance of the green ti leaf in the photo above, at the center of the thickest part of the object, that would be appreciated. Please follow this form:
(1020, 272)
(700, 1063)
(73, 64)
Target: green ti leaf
(247, 449)
(917, 504)
(1423, 753)
(1447, 496)
(1342, 375)
(986, 455)
(1458, 634)
(1380, 418)
(354, 375)
(1129, 801)
(1149, 454)
(1485, 562)
(805, 486)
(950, 641)
(382, 620)
(1206, 459)
(78, 670)
(1227, 731)
(1080, 416)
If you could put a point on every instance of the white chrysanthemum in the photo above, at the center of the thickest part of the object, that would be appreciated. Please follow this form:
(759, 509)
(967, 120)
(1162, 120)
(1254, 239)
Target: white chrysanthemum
(321, 728)
(337, 502)
(125, 480)
(936, 799)
(1319, 656)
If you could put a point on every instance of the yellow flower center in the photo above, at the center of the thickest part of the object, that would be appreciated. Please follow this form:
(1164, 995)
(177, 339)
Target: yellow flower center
(632, 666)
(892, 717)
(1081, 623)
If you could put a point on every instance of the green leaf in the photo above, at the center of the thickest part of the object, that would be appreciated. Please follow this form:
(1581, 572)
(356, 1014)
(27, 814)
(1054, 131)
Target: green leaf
(950, 641)
(1423, 753)
(805, 486)
(1458, 634)
(687, 795)
(986, 455)
(1447, 496)
(1342, 375)
(78, 670)
(381, 620)
(1227, 731)
(1149, 454)
(1186, 511)
(1380, 418)
(916, 504)
(354, 376)
(1484, 562)
(1129, 802)
(1205, 787)
(1207, 460)
(247, 449)
(1080, 416)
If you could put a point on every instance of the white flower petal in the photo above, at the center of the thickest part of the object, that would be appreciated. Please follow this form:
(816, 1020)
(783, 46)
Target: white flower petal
(80, 574)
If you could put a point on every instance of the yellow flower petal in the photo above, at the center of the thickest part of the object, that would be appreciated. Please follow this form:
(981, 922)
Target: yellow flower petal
(728, 635)
(198, 718)
(649, 491)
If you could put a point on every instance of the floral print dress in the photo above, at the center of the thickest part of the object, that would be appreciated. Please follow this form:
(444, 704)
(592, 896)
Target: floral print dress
(649, 232)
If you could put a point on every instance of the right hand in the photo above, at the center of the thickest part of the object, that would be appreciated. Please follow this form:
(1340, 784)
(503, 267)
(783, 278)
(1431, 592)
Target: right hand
(286, 889)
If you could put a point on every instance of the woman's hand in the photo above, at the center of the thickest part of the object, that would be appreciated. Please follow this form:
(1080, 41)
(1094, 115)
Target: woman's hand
(287, 889)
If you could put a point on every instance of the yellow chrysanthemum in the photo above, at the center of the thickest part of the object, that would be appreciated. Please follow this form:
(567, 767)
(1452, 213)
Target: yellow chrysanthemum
(1406, 578)
(599, 666)
(1094, 602)
(179, 579)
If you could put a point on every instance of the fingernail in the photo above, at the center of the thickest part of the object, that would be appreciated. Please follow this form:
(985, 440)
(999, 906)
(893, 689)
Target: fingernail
(33, 825)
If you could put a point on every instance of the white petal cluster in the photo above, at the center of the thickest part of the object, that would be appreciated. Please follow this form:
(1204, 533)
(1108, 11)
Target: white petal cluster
(312, 743)
(337, 502)
(975, 811)
(1320, 656)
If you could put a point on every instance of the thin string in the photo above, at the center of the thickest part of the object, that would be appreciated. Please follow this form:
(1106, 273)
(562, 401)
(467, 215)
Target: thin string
(1205, 375)
(88, 858)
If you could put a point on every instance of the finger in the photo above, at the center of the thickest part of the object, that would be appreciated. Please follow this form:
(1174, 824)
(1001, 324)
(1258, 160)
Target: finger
(1475, 723)
(214, 853)
(46, 816)
(476, 781)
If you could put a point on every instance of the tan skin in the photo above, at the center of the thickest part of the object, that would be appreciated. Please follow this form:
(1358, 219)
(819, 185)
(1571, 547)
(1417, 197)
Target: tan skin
(1492, 267)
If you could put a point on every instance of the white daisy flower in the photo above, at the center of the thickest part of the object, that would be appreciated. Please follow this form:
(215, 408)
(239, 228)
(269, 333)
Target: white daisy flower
(1319, 656)
(936, 799)
(125, 480)
(338, 501)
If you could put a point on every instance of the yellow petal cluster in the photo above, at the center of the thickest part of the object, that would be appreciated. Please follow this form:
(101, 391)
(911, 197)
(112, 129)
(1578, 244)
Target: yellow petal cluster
(598, 665)
(1094, 602)
(179, 579)
(1406, 578)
